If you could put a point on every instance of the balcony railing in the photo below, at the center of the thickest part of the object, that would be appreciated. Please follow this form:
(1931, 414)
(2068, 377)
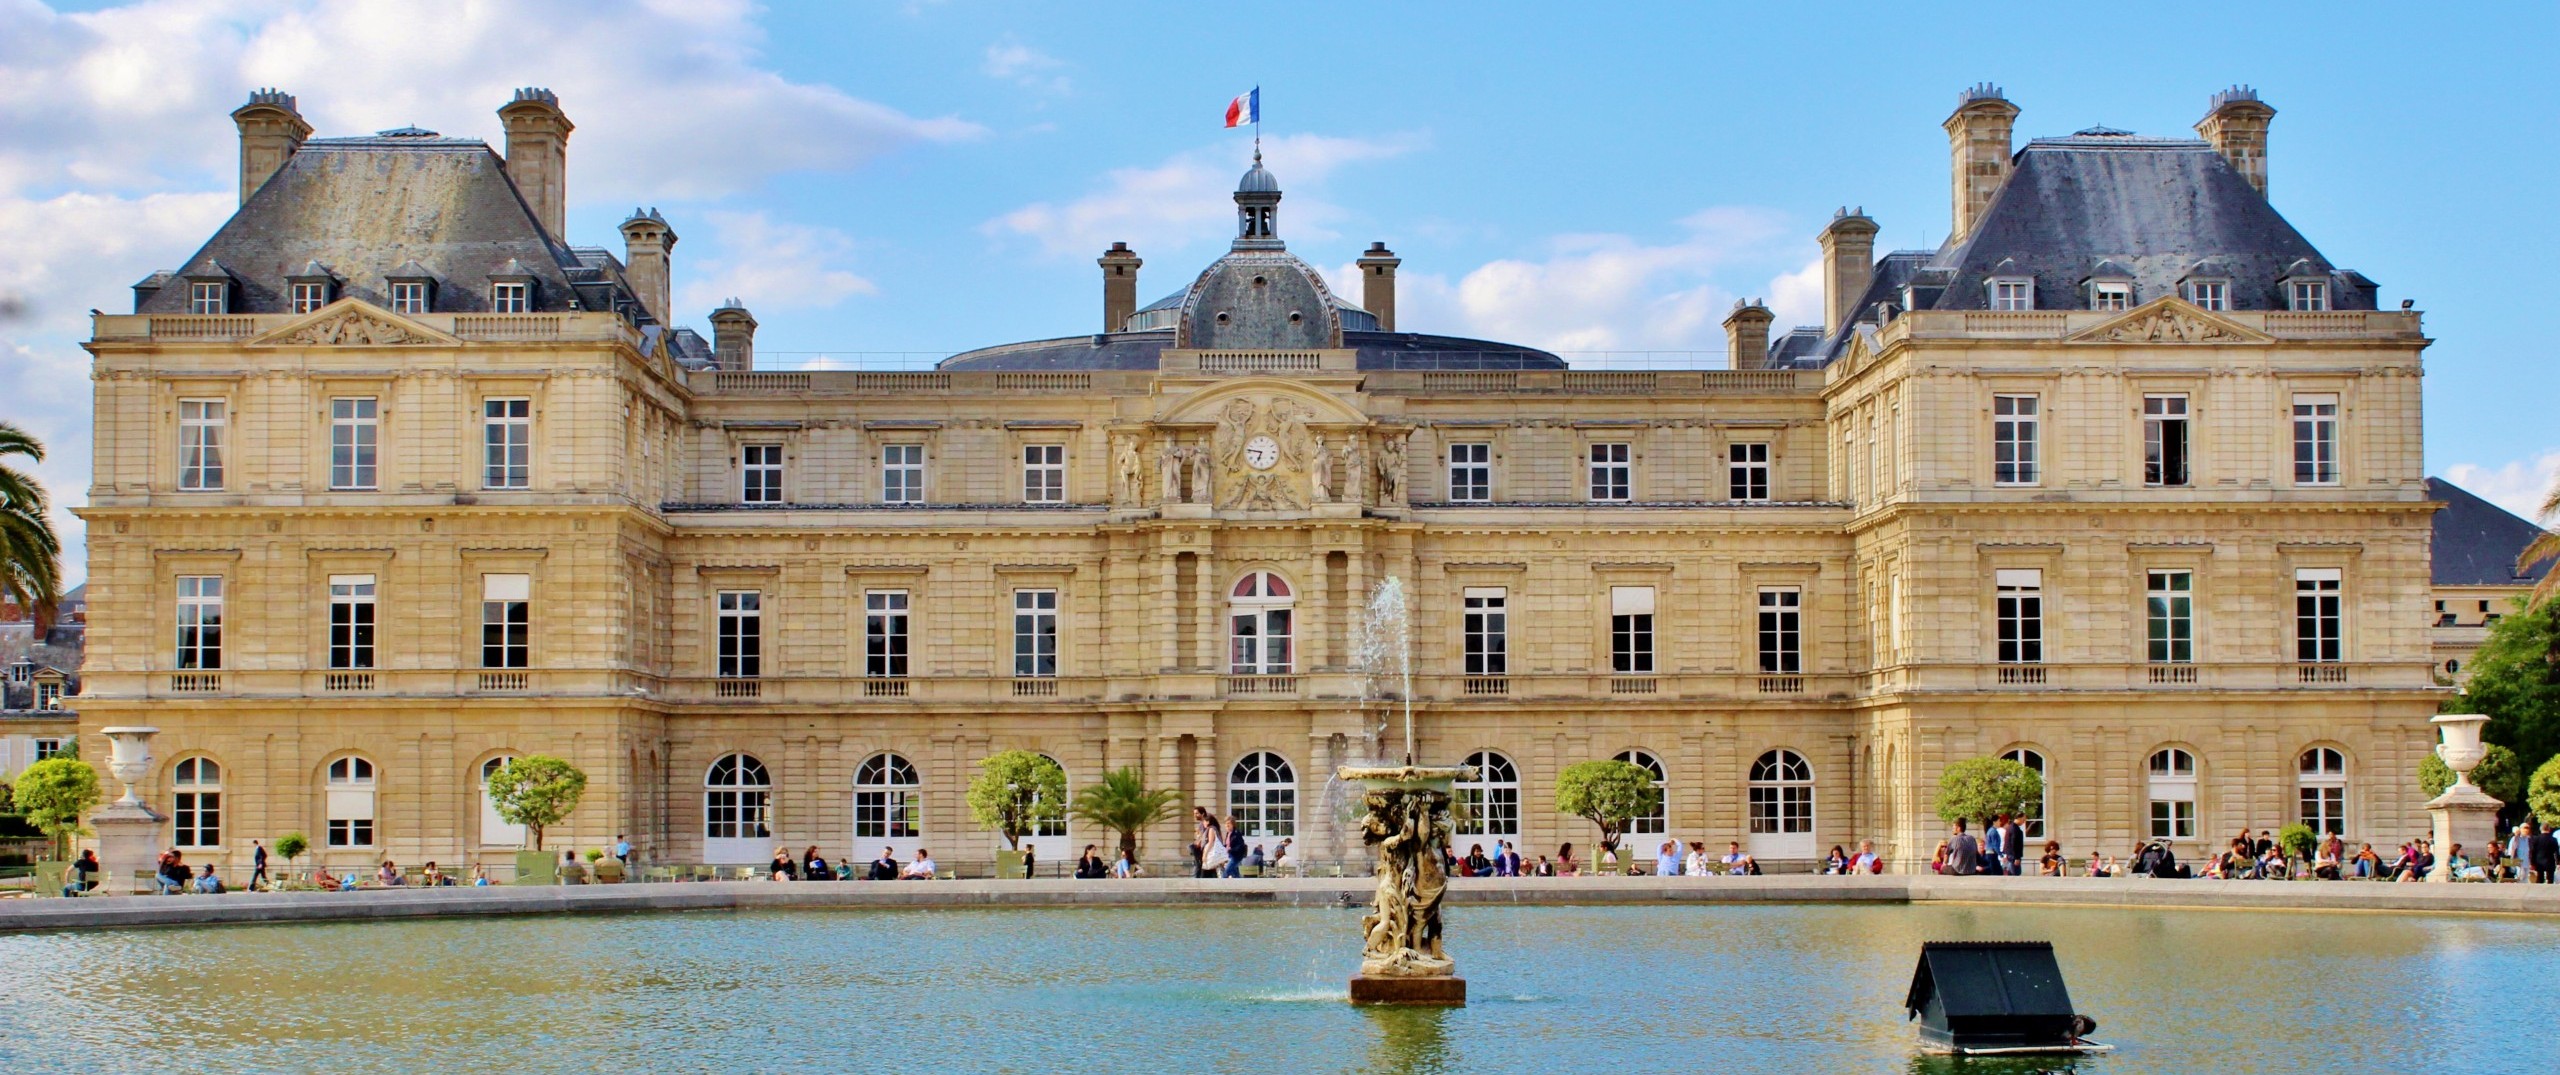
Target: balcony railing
(1487, 686)
(2172, 675)
(195, 682)
(346, 681)
(736, 688)
(2321, 674)
(1262, 686)
(2022, 675)
(884, 688)
(505, 682)
(1633, 684)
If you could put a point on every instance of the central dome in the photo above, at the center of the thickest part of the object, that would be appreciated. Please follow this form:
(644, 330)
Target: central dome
(1259, 180)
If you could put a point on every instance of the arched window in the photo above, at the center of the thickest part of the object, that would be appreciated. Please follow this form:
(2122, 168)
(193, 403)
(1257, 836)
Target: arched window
(737, 798)
(496, 831)
(2032, 759)
(886, 802)
(2173, 794)
(1261, 628)
(1489, 805)
(195, 810)
(2323, 781)
(1262, 793)
(1781, 806)
(350, 788)
(1048, 818)
(1657, 823)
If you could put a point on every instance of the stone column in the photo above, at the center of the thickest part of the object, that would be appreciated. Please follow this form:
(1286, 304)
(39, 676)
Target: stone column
(128, 829)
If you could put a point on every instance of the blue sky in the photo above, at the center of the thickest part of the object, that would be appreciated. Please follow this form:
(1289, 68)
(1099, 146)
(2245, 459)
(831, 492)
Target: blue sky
(882, 182)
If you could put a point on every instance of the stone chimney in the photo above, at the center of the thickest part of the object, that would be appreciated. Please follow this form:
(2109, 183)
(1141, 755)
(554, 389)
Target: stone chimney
(648, 248)
(1119, 286)
(1848, 265)
(538, 155)
(1378, 284)
(1978, 138)
(271, 129)
(733, 336)
(2237, 127)
(1746, 335)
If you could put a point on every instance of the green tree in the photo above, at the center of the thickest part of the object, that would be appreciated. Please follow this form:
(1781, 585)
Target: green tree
(1608, 794)
(2542, 793)
(1122, 803)
(2497, 774)
(536, 791)
(52, 794)
(30, 553)
(2543, 550)
(2297, 840)
(2515, 682)
(291, 846)
(1979, 789)
(1014, 791)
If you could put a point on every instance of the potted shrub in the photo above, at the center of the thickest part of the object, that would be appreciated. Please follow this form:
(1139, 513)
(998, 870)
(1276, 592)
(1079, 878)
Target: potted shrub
(1013, 792)
(1122, 803)
(2297, 841)
(1608, 794)
(52, 794)
(289, 847)
(536, 791)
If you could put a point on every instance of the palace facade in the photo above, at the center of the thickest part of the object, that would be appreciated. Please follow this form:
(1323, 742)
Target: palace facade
(392, 483)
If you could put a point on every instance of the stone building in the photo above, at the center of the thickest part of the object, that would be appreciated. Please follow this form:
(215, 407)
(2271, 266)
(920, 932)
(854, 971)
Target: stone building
(2473, 568)
(2124, 480)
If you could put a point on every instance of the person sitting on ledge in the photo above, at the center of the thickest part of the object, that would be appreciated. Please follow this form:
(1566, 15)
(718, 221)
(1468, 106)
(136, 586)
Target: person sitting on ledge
(1737, 864)
(172, 876)
(479, 875)
(1089, 865)
(433, 876)
(1938, 858)
(1868, 861)
(782, 868)
(1476, 865)
(2458, 867)
(1837, 862)
(2365, 865)
(389, 875)
(1544, 868)
(1280, 859)
(207, 881)
(919, 870)
(1256, 859)
(1964, 853)
(1126, 867)
(1565, 864)
(2101, 866)
(1666, 859)
(884, 868)
(813, 866)
(2272, 865)
(1608, 861)
(2324, 862)
(82, 875)
(1699, 863)
(2052, 864)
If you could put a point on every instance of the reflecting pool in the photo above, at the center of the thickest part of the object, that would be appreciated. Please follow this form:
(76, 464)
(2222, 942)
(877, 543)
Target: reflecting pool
(1763, 988)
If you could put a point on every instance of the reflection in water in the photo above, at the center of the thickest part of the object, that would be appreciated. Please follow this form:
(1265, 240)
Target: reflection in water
(1926, 1064)
(1409, 1040)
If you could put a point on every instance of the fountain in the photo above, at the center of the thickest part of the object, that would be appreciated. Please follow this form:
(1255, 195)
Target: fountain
(1405, 824)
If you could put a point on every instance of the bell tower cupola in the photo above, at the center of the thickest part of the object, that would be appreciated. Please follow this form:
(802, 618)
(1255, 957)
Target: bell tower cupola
(1258, 209)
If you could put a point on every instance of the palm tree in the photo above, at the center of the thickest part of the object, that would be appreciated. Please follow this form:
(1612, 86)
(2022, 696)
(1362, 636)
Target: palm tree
(30, 554)
(1121, 802)
(2543, 550)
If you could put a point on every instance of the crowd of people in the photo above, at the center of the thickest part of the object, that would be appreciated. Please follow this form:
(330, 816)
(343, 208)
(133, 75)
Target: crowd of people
(2525, 854)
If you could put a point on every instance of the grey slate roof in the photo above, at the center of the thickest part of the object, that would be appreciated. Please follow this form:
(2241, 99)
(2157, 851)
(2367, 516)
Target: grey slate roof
(2476, 542)
(373, 207)
(1140, 350)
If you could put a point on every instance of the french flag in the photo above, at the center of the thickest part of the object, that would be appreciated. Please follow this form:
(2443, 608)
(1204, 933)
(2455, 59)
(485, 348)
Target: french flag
(1246, 108)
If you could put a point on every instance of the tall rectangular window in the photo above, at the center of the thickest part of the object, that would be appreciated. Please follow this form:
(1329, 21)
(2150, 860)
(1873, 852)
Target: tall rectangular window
(409, 297)
(1631, 630)
(884, 634)
(1044, 473)
(1747, 471)
(199, 621)
(506, 437)
(2170, 609)
(351, 620)
(2319, 618)
(2315, 440)
(506, 621)
(902, 473)
(2309, 295)
(1781, 631)
(2021, 615)
(760, 473)
(1470, 473)
(212, 298)
(741, 634)
(2013, 439)
(49, 696)
(1487, 631)
(1612, 474)
(510, 298)
(1035, 633)
(202, 424)
(2164, 440)
(354, 432)
(308, 297)
(2209, 295)
(2013, 294)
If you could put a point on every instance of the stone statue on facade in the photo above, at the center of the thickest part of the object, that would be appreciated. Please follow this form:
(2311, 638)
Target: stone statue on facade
(1198, 458)
(1391, 469)
(1321, 481)
(1131, 471)
(1355, 463)
(1169, 470)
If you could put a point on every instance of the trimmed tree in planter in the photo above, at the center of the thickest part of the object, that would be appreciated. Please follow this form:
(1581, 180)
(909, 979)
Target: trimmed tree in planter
(1014, 791)
(290, 846)
(536, 791)
(1608, 794)
(1122, 803)
(1980, 789)
(52, 794)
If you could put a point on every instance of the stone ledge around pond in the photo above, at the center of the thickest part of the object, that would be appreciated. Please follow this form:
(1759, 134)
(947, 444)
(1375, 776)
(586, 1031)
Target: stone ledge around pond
(114, 912)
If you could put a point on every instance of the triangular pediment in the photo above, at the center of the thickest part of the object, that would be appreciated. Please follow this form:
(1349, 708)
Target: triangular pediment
(354, 323)
(2169, 319)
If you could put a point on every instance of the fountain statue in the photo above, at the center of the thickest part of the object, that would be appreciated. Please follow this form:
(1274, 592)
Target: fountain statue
(1406, 826)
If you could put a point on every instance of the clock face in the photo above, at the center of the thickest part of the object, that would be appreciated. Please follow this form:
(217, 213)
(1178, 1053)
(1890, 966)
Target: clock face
(1261, 452)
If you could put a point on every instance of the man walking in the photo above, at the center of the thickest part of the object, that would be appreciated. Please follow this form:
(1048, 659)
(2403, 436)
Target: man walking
(1995, 853)
(1235, 848)
(1964, 853)
(2546, 856)
(622, 849)
(2013, 844)
(258, 862)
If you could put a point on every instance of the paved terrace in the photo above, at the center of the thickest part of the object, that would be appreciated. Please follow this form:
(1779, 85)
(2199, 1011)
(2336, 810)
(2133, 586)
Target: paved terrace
(95, 912)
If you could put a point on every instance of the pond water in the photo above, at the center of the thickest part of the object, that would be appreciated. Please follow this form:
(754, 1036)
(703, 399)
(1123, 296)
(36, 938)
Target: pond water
(1760, 988)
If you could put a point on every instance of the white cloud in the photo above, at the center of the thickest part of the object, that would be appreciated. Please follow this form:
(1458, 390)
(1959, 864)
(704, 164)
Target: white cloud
(1022, 65)
(2518, 485)
(770, 264)
(1187, 199)
(74, 251)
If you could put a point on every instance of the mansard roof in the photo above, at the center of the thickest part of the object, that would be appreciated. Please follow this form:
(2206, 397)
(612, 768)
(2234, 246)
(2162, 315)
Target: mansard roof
(1141, 350)
(2476, 542)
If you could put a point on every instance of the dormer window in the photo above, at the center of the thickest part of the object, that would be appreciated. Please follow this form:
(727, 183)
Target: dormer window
(2011, 292)
(2212, 295)
(207, 297)
(2113, 296)
(511, 297)
(2309, 296)
(308, 297)
(409, 297)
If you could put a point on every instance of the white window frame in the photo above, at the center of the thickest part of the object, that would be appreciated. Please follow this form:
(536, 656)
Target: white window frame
(2315, 438)
(2319, 615)
(203, 427)
(307, 297)
(352, 786)
(2168, 441)
(1035, 634)
(2320, 775)
(2010, 293)
(200, 622)
(47, 748)
(510, 297)
(1471, 472)
(2111, 297)
(737, 809)
(2169, 617)
(2034, 759)
(1613, 471)
(1044, 473)
(1261, 626)
(1262, 795)
(1658, 822)
(1780, 630)
(1631, 638)
(2017, 420)
(496, 831)
(760, 473)
(1489, 805)
(888, 800)
(408, 296)
(1747, 470)
(195, 803)
(885, 640)
(902, 473)
(355, 442)
(506, 621)
(506, 439)
(2214, 295)
(208, 298)
(1781, 800)
(2307, 296)
(49, 696)
(1486, 631)
(2019, 610)
(354, 621)
(739, 637)
(2171, 788)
